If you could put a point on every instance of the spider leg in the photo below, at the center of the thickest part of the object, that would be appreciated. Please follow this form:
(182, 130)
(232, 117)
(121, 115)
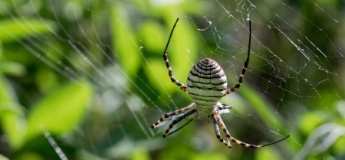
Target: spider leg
(166, 133)
(176, 112)
(216, 129)
(224, 106)
(245, 66)
(227, 134)
(165, 56)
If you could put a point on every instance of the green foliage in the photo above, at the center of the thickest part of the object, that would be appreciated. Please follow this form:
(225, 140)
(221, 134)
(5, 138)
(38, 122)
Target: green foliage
(58, 112)
(61, 110)
(12, 114)
(3, 157)
(124, 41)
(14, 29)
(268, 153)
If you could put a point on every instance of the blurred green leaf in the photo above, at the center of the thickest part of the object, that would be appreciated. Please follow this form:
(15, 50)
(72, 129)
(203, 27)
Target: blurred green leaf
(12, 68)
(60, 110)
(320, 140)
(83, 154)
(161, 78)
(124, 41)
(3, 157)
(5, 6)
(11, 114)
(46, 79)
(29, 156)
(310, 121)
(140, 154)
(338, 146)
(152, 37)
(13, 29)
(267, 153)
(262, 108)
(207, 156)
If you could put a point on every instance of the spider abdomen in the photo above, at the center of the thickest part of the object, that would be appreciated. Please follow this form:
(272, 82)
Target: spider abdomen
(206, 82)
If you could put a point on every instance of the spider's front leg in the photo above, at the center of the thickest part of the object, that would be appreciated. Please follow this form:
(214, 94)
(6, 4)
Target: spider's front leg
(245, 65)
(165, 56)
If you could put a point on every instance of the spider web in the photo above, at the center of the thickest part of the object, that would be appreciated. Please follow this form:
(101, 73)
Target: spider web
(290, 68)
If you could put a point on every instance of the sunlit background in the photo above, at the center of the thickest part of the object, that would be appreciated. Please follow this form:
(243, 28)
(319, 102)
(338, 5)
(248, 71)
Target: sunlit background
(86, 79)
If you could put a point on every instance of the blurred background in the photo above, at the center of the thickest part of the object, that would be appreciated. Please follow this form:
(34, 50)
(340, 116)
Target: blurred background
(86, 79)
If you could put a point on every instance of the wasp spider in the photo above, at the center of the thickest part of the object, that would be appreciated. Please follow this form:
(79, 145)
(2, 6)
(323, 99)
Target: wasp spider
(206, 84)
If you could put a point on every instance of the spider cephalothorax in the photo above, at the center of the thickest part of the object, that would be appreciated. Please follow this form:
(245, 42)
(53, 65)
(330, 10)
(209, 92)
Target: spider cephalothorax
(206, 85)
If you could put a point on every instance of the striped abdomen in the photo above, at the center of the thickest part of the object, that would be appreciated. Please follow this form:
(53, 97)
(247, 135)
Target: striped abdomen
(206, 84)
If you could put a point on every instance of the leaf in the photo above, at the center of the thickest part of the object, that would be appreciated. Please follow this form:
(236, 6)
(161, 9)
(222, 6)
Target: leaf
(61, 110)
(124, 42)
(3, 157)
(11, 114)
(263, 108)
(12, 68)
(14, 29)
(321, 139)
(268, 153)
(152, 37)
(159, 78)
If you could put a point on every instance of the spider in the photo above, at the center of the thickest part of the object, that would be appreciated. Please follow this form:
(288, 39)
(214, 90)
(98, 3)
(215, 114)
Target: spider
(206, 85)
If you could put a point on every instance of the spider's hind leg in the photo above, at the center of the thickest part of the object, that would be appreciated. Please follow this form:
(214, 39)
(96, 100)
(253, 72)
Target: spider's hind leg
(231, 138)
(216, 129)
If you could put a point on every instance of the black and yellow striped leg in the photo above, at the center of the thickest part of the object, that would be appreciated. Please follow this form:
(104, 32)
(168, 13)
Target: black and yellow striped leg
(165, 56)
(227, 134)
(176, 112)
(166, 133)
(245, 66)
(216, 129)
